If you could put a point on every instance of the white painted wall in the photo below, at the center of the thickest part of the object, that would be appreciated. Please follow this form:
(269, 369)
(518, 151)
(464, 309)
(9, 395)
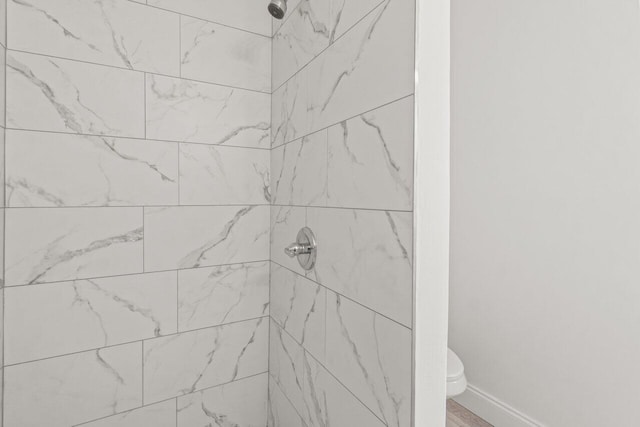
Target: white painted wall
(545, 268)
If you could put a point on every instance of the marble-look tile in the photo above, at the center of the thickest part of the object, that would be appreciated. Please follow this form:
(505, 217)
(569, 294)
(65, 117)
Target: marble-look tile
(50, 169)
(159, 415)
(304, 35)
(192, 361)
(188, 111)
(244, 14)
(111, 32)
(67, 96)
(376, 53)
(223, 55)
(72, 389)
(328, 403)
(286, 222)
(285, 366)
(366, 256)
(371, 159)
(276, 24)
(372, 357)
(298, 306)
(3, 89)
(345, 13)
(281, 412)
(289, 116)
(61, 318)
(241, 403)
(299, 171)
(189, 237)
(47, 245)
(3, 29)
(218, 295)
(213, 175)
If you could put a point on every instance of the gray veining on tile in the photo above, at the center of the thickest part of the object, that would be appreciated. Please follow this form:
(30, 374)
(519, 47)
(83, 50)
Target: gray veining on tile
(218, 295)
(60, 318)
(189, 111)
(66, 96)
(214, 175)
(371, 159)
(298, 305)
(285, 366)
(242, 403)
(73, 389)
(281, 412)
(43, 170)
(188, 237)
(192, 361)
(366, 256)
(289, 116)
(372, 357)
(111, 32)
(299, 171)
(218, 54)
(45, 245)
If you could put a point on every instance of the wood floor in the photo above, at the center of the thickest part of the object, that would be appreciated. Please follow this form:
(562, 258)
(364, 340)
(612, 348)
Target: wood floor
(459, 416)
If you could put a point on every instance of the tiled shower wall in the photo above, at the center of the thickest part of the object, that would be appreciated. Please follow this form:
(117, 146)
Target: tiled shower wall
(342, 164)
(137, 218)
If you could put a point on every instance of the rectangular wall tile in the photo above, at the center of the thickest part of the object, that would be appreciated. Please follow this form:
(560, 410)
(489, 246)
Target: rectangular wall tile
(304, 35)
(188, 237)
(212, 175)
(223, 55)
(47, 245)
(48, 169)
(371, 159)
(67, 96)
(289, 116)
(72, 389)
(345, 13)
(328, 403)
(117, 32)
(218, 295)
(377, 53)
(286, 222)
(298, 305)
(243, 14)
(366, 256)
(60, 318)
(372, 357)
(188, 111)
(281, 412)
(3, 89)
(192, 361)
(241, 403)
(285, 366)
(159, 415)
(299, 171)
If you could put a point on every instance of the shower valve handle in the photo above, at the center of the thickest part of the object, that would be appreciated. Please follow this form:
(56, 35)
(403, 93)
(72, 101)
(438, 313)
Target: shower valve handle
(295, 249)
(305, 249)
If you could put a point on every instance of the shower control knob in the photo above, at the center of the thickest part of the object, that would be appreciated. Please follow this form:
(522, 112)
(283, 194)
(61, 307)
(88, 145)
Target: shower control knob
(305, 249)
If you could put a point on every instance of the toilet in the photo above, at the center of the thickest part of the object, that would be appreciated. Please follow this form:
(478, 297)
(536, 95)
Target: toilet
(456, 380)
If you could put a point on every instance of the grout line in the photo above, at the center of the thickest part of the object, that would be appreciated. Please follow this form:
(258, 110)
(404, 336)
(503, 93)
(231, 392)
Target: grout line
(344, 296)
(170, 399)
(207, 20)
(154, 73)
(203, 267)
(140, 340)
(308, 354)
(330, 44)
(379, 107)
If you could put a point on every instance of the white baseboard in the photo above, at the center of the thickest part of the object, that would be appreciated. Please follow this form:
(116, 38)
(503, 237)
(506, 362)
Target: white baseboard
(493, 410)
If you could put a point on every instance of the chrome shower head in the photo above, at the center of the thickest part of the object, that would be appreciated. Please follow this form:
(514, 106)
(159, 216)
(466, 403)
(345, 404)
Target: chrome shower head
(278, 8)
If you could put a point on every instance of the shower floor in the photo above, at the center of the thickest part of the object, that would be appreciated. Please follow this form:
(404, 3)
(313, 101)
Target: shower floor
(459, 416)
